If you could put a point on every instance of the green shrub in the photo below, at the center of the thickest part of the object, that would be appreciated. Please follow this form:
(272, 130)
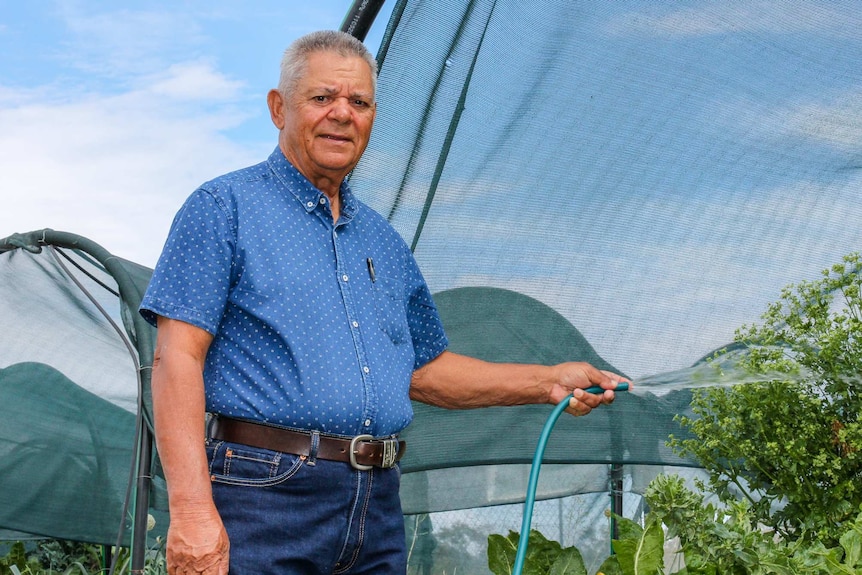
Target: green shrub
(59, 557)
(791, 442)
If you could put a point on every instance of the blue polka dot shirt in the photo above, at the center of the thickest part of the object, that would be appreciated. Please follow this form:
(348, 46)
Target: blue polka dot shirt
(315, 326)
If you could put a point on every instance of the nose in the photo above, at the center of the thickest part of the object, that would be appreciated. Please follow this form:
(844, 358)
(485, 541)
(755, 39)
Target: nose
(340, 110)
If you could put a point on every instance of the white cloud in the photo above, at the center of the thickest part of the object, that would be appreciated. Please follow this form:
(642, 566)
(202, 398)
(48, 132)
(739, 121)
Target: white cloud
(111, 153)
(194, 81)
(838, 123)
(764, 16)
(112, 168)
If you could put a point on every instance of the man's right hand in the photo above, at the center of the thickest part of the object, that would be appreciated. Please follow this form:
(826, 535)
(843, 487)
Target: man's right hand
(197, 543)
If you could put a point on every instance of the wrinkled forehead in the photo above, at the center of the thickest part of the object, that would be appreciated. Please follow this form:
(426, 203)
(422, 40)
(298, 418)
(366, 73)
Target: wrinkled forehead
(333, 73)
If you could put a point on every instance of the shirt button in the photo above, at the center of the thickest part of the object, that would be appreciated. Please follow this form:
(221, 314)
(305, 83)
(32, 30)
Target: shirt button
(344, 277)
(322, 200)
(365, 369)
(310, 204)
(355, 324)
(367, 423)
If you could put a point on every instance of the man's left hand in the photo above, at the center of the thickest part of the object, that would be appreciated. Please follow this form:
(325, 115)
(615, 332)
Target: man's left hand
(574, 377)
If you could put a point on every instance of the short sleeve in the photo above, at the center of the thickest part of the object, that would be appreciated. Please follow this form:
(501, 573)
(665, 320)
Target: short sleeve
(192, 278)
(426, 327)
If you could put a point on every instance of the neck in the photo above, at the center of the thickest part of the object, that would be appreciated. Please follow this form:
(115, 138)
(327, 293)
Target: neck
(334, 205)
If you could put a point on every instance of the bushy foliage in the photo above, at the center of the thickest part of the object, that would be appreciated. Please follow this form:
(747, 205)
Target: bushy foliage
(791, 443)
(50, 556)
(715, 540)
(727, 540)
(60, 557)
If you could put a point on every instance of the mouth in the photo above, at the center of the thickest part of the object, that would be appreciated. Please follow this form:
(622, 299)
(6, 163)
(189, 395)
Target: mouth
(337, 138)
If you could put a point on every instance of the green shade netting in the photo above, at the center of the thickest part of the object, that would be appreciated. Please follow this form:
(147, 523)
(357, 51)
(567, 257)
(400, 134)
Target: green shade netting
(653, 172)
(68, 399)
(66, 455)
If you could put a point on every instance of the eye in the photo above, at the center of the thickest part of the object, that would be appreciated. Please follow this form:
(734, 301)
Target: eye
(321, 99)
(360, 103)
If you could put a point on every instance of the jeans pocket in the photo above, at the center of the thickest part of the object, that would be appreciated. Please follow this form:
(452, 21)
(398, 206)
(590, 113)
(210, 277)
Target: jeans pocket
(236, 464)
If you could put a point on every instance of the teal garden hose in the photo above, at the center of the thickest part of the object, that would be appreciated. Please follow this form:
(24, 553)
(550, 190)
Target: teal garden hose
(529, 502)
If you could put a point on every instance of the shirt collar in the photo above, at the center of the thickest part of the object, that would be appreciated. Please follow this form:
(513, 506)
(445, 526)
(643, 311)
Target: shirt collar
(304, 190)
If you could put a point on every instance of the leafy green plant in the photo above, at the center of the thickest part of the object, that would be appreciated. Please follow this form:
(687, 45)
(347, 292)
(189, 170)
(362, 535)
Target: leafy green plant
(51, 556)
(544, 557)
(715, 541)
(791, 442)
(16, 560)
(155, 562)
(638, 551)
(59, 557)
(727, 540)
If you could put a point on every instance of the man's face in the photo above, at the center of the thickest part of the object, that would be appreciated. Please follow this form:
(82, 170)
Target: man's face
(326, 121)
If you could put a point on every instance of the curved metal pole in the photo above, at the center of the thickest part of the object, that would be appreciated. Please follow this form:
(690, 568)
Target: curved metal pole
(360, 17)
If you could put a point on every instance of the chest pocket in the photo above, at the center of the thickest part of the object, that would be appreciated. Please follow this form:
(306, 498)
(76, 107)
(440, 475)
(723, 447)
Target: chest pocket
(391, 312)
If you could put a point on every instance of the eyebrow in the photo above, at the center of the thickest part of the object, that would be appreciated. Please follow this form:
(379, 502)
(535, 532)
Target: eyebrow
(330, 91)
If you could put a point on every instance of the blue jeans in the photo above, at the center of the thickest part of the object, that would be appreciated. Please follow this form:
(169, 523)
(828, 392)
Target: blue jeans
(285, 514)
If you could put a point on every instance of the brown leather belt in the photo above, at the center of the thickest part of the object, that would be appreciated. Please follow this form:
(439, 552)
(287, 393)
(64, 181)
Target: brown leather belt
(362, 452)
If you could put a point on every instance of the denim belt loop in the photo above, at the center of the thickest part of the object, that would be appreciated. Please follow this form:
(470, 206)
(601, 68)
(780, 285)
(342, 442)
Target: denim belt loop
(315, 444)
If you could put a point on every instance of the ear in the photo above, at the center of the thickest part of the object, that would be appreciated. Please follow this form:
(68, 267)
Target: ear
(275, 101)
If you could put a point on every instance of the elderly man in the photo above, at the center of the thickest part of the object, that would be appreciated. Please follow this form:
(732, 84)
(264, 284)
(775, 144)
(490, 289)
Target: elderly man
(296, 317)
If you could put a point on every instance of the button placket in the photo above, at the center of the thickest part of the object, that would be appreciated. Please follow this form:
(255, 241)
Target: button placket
(369, 409)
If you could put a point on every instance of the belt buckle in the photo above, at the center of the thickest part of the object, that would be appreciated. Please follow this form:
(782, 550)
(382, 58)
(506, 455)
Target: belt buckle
(390, 452)
(352, 451)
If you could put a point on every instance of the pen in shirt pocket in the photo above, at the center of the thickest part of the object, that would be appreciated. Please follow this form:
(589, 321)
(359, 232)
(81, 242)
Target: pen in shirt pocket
(371, 273)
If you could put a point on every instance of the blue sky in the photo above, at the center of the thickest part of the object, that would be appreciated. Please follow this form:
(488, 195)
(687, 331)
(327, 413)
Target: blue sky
(112, 113)
(712, 147)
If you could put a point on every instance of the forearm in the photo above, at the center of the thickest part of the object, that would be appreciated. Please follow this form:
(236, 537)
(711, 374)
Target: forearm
(456, 381)
(197, 541)
(179, 414)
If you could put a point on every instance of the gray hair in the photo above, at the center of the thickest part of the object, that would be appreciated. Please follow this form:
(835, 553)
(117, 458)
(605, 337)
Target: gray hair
(295, 59)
